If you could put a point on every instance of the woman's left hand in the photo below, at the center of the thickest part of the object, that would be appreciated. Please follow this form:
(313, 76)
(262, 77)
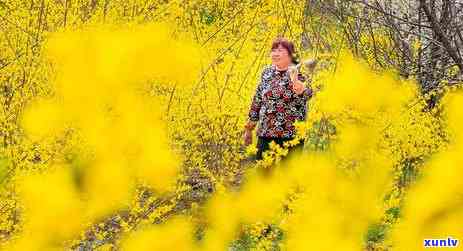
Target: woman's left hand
(298, 86)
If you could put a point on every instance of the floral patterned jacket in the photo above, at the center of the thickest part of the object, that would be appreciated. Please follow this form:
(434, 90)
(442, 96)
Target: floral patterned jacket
(276, 106)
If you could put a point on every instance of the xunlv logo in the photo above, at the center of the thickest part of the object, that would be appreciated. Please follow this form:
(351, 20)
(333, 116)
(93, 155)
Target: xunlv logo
(449, 242)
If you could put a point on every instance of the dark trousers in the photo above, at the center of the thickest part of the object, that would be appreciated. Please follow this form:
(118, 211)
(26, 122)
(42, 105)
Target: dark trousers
(263, 144)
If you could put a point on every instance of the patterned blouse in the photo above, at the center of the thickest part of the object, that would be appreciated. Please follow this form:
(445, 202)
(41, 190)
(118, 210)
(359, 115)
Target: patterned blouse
(276, 106)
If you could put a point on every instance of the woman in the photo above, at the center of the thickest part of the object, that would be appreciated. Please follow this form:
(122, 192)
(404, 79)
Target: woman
(279, 101)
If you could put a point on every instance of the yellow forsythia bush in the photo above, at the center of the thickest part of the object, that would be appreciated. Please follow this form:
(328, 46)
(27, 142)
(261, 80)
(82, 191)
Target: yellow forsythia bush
(122, 132)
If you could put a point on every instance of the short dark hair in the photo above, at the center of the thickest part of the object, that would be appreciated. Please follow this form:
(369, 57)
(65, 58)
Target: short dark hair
(288, 45)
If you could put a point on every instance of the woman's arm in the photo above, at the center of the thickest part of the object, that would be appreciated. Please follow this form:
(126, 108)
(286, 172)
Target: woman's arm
(307, 92)
(254, 110)
(256, 104)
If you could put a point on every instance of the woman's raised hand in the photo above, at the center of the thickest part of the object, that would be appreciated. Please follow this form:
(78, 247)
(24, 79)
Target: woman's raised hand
(297, 86)
(293, 72)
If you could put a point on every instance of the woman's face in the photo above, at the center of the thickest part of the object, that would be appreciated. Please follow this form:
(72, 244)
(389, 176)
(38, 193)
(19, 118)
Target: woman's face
(280, 57)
